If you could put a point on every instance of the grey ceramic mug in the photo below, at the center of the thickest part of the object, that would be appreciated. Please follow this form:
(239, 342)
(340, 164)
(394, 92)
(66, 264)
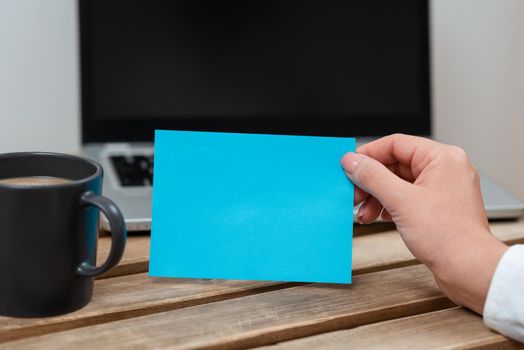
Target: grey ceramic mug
(48, 234)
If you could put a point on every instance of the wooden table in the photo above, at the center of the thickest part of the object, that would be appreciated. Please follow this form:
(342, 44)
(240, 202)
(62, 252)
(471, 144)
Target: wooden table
(393, 302)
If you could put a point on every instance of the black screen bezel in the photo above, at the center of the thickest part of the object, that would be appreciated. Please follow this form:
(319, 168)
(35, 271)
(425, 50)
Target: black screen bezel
(132, 130)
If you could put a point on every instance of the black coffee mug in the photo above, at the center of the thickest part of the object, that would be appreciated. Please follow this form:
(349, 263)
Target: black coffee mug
(48, 234)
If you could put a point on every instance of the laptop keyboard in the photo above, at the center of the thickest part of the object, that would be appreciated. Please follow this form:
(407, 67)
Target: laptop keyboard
(133, 170)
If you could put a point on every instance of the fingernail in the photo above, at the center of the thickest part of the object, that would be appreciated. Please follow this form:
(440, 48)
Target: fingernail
(360, 213)
(350, 162)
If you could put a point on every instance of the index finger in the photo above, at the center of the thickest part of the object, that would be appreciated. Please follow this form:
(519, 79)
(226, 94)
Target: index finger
(411, 151)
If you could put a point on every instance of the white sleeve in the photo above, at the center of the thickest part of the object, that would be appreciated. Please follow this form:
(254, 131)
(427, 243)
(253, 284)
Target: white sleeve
(504, 308)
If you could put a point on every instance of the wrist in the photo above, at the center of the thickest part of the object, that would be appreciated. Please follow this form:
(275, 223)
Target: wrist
(466, 275)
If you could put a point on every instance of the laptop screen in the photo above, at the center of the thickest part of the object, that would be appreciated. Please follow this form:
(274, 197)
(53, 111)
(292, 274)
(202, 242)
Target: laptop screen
(314, 67)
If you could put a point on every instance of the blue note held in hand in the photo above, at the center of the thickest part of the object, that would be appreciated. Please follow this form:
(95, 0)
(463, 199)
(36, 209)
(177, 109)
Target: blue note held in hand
(251, 207)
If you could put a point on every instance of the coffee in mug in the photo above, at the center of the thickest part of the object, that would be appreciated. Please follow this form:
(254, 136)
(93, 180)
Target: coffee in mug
(49, 216)
(34, 181)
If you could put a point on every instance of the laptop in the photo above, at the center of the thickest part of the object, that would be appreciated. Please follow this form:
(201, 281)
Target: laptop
(314, 67)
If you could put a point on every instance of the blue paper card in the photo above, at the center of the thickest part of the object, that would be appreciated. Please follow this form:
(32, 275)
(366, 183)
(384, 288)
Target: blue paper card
(251, 207)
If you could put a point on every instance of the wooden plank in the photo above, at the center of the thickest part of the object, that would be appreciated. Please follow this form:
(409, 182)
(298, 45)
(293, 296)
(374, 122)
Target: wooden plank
(372, 251)
(455, 328)
(135, 259)
(386, 250)
(380, 251)
(264, 318)
(134, 295)
(136, 256)
(510, 231)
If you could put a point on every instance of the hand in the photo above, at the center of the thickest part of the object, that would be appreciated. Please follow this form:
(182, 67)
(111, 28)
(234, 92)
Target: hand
(431, 192)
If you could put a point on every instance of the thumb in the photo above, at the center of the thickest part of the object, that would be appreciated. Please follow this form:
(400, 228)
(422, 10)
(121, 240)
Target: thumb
(377, 180)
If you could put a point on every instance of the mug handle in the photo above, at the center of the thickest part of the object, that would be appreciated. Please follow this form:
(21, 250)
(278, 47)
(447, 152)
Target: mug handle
(118, 234)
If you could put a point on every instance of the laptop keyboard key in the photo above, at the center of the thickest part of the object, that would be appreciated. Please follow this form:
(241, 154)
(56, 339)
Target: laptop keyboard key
(133, 171)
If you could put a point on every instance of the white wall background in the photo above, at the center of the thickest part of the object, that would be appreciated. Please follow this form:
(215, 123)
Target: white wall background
(39, 102)
(478, 80)
(478, 83)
